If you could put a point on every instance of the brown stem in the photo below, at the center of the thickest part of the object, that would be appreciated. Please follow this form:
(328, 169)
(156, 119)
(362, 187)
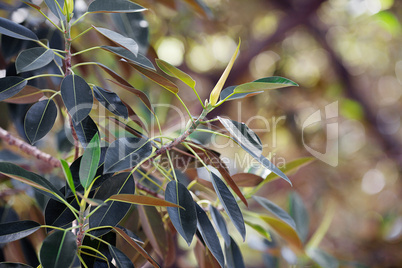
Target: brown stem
(28, 149)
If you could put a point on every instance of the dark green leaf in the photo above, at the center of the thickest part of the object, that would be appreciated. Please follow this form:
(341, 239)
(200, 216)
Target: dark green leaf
(273, 82)
(10, 28)
(209, 235)
(40, 119)
(11, 231)
(322, 258)
(220, 223)
(234, 258)
(277, 211)
(113, 212)
(58, 250)
(54, 7)
(184, 220)
(89, 162)
(229, 204)
(175, 72)
(58, 214)
(116, 6)
(77, 97)
(111, 101)
(11, 85)
(126, 153)
(18, 173)
(139, 60)
(33, 58)
(86, 130)
(250, 142)
(122, 261)
(119, 39)
(229, 91)
(299, 213)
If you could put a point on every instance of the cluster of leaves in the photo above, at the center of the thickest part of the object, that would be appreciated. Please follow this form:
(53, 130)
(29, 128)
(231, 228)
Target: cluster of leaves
(87, 220)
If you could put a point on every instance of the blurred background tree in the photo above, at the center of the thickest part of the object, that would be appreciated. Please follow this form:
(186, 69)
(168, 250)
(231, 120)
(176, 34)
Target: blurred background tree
(340, 51)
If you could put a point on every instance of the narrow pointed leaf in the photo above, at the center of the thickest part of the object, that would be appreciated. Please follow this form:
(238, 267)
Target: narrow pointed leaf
(209, 235)
(214, 96)
(229, 203)
(160, 80)
(139, 60)
(55, 8)
(85, 130)
(10, 86)
(29, 178)
(59, 250)
(273, 82)
(220, 223)
(228, 94)
(110, 101)
(184, 220)
(259, 229)
(234, 258)
(300, 215)
(115, 6)
(32, 5)
(290, 167)
(122, 261)
(143, 97)
(10, 28)
(68, 175)
(113, 212)
(33, 58)
(89, 162)
(175, 72)
(287, 232)
(136, 246)
(250, 142)
(142, 200)
(152, 224)
(126, 153)
(247, 179)
(40, 119)
(77, 96)
(121, 40)
(276, 210)
(28, 94)
(12, 231)
(113, 74)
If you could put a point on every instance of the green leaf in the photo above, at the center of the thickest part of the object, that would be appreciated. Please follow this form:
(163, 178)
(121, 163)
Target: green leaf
(122, 261)
(234, 258)
(119, 39)
(300, 215)
(230, 95)
(89, 162)
(67, 175)
(58, 214)
(126, 153)
(12, 231)
(10, 28)
(85, 130)
(175, 72)
(40, 119)
(183, 219)
(10, 86)
(322, 258)
(266, 83)
(77, 97)
(142, 200)
(28, 94)
(33, 58)
(259, 229)
(54, 7)
(220, 223)
(139, 60)
(152, 224)
(276, 210)
(59, 250)
(110, 101)
(209, 235)
(290, 168)
(287, 232)
(32, 179)
(229, 204)
(250, 142)
(115, 6)
(113, 212)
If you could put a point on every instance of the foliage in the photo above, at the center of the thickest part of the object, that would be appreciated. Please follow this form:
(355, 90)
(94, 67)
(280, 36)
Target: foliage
(127, 175)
